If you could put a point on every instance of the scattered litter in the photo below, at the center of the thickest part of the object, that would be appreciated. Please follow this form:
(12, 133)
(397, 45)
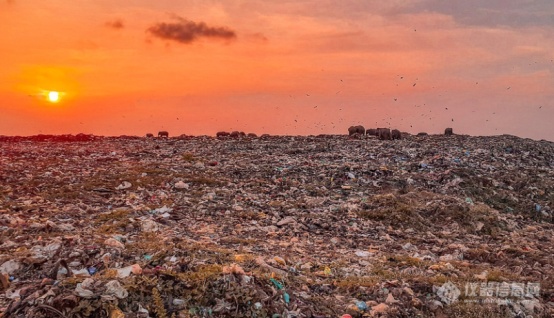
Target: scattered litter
(124, 185)
(114, 243)
(10, 267)
(363, 254)
(181, 185)
(317, 226)
(114, 288)
(126, 271)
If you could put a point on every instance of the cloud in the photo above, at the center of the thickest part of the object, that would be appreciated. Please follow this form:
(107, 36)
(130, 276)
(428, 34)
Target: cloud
(492, 13)
(185, 31)
(257, 37)
(115, 24)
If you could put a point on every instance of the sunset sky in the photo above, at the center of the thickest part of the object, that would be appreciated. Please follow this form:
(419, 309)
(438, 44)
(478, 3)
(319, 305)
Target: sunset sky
(279, 67)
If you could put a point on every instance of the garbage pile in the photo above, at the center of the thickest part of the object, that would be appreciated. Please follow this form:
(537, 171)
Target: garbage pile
(279, 226)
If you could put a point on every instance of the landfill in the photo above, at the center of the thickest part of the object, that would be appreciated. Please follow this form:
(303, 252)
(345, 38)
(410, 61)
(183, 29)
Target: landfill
(276, 226)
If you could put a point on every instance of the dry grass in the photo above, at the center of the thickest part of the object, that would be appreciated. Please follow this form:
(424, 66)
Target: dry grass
(405, 260)
(475, 310)
(147, 243)
(429, 211)
(201, 274)
(55, 192)
(237, 241)
(352, 283)
(112, 222)
(204, 180)
(251, 215)
(188, 157)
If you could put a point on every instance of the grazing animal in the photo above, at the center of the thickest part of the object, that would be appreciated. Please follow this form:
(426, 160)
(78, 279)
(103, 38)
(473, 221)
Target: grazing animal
(384, 134)
(221, 134)
(422, 134)
(356, 130)
(371, 132)
(163, 134)
(395, 134)
(149, 135)
(448, 132)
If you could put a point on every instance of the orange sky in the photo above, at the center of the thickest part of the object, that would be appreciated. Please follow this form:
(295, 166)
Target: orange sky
(278, 67)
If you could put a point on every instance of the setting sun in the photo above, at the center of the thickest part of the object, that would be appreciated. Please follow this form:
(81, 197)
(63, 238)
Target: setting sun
(53, 96)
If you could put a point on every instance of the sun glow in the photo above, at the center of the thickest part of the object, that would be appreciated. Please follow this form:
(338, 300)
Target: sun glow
(53, 96)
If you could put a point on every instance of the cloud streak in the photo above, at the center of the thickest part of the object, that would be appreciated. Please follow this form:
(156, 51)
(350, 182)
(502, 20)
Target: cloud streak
(492, 13)
(115, 24)
(186, 32)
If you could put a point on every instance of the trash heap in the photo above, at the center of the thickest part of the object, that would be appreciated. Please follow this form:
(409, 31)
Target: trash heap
(276, 226)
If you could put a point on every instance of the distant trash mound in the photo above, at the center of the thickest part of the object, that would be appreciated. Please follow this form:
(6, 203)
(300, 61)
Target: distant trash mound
(60, 138)
(353, 130)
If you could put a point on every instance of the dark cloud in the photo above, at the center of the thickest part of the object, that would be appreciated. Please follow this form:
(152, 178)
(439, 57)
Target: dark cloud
(10, 1)
(185, 31)
(115, 24)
